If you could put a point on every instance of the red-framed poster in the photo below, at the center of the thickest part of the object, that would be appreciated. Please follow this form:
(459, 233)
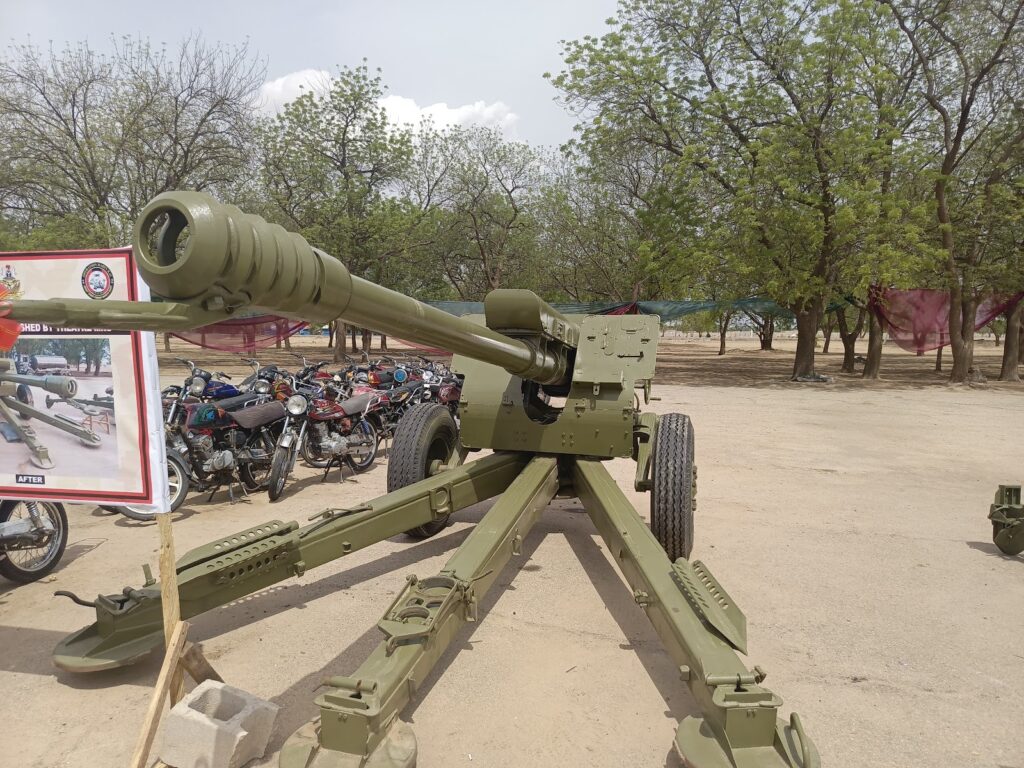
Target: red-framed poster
(80, 415)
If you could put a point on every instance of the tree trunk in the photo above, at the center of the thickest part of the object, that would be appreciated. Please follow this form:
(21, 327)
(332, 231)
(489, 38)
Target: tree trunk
(938, 359)
(830, 325)
(383, 343)
(849, 338)
(355, 346)
(873, 364)
(288, 342)
(723, 328)
(340, 335)
(962, 311)
(167, 342)
(766, 333)
(367, 340)
(807, 317)
(1011, 344)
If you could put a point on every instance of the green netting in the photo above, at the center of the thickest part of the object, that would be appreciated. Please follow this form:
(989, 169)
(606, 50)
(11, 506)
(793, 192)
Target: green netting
(666, 310)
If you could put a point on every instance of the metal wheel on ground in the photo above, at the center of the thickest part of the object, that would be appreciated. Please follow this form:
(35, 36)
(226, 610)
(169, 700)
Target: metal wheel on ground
(674, 485)
(426, 438)
(178, 484)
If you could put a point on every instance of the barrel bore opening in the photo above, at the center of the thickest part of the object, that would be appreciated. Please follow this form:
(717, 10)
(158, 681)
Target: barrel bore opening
(165, 236)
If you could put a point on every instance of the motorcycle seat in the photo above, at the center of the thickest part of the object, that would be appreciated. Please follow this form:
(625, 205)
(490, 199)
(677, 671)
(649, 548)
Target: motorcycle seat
(238, 401)
(258, 415)
(400, 393)
(356, 404)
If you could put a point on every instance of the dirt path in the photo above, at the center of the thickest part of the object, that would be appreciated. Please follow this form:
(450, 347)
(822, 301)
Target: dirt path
(847, 521)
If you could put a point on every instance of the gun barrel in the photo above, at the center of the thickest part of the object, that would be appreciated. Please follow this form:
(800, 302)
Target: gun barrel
(195, 250)
(62, 386)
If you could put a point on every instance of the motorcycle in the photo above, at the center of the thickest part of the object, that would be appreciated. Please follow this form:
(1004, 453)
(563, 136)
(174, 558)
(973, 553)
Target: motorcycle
(33, 535)
(325, 429)
(211, 442)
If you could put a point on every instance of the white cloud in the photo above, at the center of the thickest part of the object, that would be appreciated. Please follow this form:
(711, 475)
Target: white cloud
(276, 93)
(498, 114)
(401, 109)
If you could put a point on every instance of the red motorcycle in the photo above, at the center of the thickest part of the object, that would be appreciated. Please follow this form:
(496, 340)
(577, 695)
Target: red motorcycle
(326, 430)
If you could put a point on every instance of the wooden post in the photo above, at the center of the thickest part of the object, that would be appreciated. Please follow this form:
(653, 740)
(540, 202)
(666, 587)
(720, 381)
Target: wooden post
(176, 642)
(169, 598)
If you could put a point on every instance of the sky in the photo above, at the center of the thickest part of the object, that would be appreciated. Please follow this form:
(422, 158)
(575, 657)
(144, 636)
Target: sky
(456, 60)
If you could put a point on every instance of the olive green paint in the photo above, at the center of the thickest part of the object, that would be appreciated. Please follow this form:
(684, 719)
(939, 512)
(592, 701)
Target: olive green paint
(553, 395)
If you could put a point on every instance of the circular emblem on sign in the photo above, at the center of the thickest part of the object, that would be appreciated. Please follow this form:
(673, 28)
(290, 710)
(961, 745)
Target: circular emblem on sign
(97, 281)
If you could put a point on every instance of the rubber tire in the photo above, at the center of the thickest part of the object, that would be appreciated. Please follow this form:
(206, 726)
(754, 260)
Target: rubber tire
(673, 487)
(368, 462)
(245, 471)
(423, 434)
(25, 397)
(279, 467)
(9, 570)
(1009, 540)
(175, 464)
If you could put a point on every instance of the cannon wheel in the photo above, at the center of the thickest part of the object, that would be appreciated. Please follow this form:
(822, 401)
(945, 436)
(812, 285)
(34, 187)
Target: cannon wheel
(427, 433)
(674, 485)
(1009, 538)
(25, 396)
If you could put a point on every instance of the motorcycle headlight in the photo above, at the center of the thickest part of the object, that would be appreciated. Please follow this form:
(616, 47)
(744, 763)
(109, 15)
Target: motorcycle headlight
(400, 375)
(296, 405)
(197, 386)
(426, 394)
(262, 387)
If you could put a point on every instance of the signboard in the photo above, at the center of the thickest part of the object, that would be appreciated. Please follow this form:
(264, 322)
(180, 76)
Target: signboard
(80, 413)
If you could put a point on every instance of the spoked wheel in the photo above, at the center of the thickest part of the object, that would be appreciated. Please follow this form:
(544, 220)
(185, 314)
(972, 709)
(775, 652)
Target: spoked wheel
(674, 479)
(280, 466)
(36, 555)
(255, 474)
(178, 485)
(362, 457)
(425, 435)
(310, 456)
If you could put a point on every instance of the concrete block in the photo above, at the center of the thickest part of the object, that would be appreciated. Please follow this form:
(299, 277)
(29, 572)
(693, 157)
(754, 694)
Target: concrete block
(217, 726)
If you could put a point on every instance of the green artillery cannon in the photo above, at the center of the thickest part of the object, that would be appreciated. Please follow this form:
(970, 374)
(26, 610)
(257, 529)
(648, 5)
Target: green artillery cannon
(1007, 516)
(552, 396)
(16, 398)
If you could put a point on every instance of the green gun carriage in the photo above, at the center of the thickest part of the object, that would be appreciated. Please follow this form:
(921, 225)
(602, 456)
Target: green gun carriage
(553, 397)
(1007, 516)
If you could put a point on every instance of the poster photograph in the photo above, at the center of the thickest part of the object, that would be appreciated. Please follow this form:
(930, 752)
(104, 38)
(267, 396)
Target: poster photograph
(78, 408)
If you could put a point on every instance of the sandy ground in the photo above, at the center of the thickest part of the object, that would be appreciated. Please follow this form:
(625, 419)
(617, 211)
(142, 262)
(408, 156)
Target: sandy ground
(848, 521)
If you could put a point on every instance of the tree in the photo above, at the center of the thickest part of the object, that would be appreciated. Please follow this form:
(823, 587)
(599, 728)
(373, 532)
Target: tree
(91, 138)
(970, 57)
(486, 232)
(755, 98)
(329, 160)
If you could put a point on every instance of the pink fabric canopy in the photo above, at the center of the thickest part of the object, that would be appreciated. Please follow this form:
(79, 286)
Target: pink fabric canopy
(918, 319)
(242, 334)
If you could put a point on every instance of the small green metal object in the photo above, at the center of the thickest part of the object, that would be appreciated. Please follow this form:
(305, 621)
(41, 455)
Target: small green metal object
(552, 396)
(1007, 516)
